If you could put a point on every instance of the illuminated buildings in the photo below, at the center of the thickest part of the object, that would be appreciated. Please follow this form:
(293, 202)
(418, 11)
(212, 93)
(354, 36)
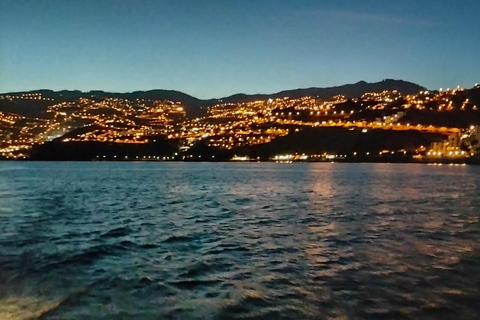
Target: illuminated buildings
(233, 125)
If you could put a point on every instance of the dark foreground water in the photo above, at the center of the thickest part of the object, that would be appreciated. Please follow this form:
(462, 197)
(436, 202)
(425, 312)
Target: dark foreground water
(239, 241)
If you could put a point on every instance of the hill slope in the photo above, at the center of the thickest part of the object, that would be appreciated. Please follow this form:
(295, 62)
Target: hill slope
(349, 91)
(196, 107)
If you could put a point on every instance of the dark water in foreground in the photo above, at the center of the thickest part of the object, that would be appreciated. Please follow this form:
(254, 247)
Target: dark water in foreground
(239, 241)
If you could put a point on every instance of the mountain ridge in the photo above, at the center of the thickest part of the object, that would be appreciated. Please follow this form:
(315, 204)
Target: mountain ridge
(195, 106)
(351, 90)
(394, 83)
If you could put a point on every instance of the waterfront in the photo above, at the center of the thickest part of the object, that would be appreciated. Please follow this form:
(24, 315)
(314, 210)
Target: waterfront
(146, 240)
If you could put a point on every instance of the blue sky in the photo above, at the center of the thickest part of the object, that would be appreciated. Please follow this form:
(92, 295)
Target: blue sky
(218, 48)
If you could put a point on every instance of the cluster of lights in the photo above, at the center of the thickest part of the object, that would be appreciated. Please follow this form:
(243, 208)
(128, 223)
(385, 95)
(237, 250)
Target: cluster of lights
(225, 125)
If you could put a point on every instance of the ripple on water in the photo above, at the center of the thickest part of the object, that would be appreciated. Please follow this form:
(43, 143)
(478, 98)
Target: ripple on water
(239, 241)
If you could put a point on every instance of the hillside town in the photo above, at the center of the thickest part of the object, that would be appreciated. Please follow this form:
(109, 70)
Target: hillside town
(450, 115)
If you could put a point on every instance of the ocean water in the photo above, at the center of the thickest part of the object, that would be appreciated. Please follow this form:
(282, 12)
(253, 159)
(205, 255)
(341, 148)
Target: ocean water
(126, 240)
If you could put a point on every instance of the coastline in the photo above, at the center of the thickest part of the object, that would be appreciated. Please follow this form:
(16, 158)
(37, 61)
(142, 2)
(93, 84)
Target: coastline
(465, 161)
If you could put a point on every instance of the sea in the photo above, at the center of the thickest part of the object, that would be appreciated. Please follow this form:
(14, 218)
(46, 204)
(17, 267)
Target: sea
(178, 240)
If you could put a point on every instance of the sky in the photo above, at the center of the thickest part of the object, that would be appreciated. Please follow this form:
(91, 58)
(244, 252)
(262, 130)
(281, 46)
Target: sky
(221, 47)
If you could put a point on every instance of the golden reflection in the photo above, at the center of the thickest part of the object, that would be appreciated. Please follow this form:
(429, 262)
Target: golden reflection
(24, 308)
(321, 191)
(389, 221)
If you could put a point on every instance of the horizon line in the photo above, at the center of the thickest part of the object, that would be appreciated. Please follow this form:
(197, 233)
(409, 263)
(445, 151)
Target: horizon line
(227, 96)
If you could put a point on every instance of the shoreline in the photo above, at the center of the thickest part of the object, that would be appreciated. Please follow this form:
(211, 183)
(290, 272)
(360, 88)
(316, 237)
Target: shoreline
(468, 161)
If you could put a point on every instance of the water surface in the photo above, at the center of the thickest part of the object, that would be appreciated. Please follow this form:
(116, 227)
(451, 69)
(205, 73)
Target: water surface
(238, 241)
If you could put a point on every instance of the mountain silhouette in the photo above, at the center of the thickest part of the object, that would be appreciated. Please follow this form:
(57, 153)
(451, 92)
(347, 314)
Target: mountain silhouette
(196, 107)
(348, 90)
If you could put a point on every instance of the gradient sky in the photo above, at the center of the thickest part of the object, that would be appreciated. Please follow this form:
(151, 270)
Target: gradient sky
(218, 48)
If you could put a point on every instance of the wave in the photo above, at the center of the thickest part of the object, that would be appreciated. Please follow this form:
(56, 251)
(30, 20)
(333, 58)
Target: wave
(87, 256)
(193, 284)
(222, 248)
(179, 238)
(197, 269)
(117, 232)
(248, 301)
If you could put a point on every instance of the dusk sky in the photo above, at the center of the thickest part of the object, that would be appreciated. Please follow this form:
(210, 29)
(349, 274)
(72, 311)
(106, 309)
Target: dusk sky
(217, 48)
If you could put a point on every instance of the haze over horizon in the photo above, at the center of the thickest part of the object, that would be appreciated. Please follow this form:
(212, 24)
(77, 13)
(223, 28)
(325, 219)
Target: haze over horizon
(220, 48)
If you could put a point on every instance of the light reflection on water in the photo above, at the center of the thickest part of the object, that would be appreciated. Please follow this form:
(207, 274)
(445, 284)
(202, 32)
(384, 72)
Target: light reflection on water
(247, 241)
